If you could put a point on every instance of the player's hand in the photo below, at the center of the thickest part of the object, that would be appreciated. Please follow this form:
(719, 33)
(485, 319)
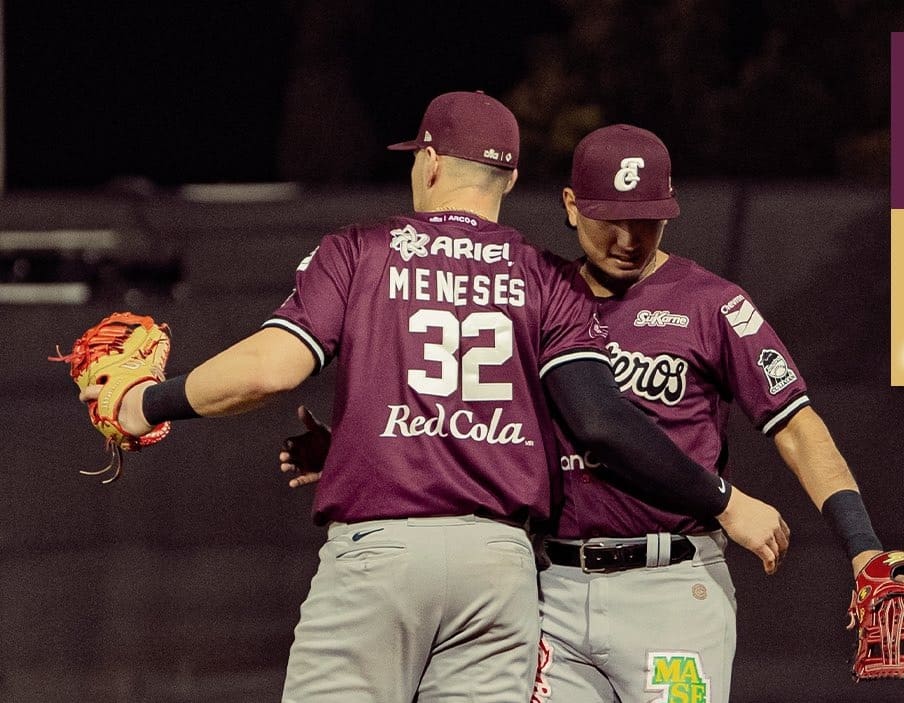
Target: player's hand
(302, 456)
(130, 414)
(756, 526)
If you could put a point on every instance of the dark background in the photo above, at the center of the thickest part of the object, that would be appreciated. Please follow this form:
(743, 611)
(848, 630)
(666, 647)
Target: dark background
(312, 90)
(180, 583)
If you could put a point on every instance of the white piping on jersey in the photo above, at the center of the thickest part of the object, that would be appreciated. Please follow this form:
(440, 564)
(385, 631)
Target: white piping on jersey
(565, 358)
(787, 412)
(299, 332)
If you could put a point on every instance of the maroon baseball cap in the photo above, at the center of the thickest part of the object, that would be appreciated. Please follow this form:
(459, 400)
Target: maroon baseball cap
(623, 172)
(470, 126)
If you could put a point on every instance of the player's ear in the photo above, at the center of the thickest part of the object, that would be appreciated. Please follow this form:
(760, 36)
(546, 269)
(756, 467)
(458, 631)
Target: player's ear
(431, 166)
(571, 208)
(511, 182)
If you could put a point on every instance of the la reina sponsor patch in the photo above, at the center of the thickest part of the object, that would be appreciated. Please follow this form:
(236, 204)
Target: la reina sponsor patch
(679, 676)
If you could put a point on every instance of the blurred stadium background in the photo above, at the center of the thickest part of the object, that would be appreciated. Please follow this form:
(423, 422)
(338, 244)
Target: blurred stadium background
(180, 160)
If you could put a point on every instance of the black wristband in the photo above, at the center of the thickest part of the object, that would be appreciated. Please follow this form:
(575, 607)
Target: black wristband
(847, 515)
(167, 401)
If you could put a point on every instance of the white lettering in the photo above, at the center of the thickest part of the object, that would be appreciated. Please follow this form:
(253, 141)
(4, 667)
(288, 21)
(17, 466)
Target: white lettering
(398, 283)
(660, 378)
(731, 303)
(461, 425)
(516, 292)
(444, 286)
(660, 318)
(455, 289)
(500, 287)
(421, 284)
(464, 248)
(481, 285)
(579, 462)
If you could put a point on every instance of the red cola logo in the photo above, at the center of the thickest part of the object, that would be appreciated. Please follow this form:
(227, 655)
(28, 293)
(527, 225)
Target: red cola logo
(459, 425)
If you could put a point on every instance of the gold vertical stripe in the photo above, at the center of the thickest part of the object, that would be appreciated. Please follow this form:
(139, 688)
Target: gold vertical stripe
(897, 297)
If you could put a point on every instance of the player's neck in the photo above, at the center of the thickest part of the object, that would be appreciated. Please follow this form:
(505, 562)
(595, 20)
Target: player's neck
(470, 200)
(605, 286)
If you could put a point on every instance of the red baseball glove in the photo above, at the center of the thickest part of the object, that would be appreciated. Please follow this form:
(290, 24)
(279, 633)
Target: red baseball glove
(877, 612)
(119, 352)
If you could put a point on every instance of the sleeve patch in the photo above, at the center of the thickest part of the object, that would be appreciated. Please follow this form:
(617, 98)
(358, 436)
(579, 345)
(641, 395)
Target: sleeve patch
(745, 320)
(778, 373)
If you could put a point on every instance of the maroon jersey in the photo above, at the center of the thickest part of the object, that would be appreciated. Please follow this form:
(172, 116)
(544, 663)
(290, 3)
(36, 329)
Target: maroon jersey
(443, 324)
(683, 344)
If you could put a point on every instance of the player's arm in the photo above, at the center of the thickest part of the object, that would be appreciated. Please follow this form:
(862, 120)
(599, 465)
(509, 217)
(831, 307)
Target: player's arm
(807, 448)
(245, 375)
(639, 454)
(234, 381)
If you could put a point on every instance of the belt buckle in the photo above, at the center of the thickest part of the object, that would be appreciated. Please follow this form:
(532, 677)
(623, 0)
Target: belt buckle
(616, 557)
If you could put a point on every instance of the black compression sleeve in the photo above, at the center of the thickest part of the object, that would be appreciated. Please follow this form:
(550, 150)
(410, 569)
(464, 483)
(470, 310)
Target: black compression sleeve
(638, 455)
(845, 512)
(167, 401)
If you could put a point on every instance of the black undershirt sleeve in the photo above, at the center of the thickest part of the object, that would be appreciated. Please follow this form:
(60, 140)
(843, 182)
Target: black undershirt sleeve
(640, 458)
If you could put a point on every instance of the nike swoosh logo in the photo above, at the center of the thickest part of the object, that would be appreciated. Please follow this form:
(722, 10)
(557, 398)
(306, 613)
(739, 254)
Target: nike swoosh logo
(364, 533)
(721, 485)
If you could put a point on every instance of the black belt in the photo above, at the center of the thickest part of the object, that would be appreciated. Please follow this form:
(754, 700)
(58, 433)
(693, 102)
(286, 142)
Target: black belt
(593, 557)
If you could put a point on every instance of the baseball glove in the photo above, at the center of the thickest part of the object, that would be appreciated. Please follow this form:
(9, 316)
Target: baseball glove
(119, 352)
(877, 612)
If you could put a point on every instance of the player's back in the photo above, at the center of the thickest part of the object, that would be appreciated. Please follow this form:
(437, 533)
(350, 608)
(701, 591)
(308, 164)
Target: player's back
(441, 323)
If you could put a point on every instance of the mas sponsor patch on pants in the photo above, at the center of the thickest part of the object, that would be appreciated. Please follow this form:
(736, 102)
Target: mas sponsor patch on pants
(679, 676)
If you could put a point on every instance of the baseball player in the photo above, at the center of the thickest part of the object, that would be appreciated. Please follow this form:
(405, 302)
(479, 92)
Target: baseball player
(638, 603)
(447, 328)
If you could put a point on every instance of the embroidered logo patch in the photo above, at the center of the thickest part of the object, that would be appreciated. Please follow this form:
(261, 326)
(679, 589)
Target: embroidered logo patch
(679, 676)
(777, 371)
(660, 318)
(363, 533)
(408, 242)
(627, 176)
(597, 328)
(742, 316)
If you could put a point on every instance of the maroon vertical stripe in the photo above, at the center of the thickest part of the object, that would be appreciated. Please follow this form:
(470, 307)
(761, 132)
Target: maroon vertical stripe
(897, 120)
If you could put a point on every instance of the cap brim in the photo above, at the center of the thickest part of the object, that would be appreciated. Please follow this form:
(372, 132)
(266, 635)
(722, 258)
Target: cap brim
(405, 146)
(628, 210)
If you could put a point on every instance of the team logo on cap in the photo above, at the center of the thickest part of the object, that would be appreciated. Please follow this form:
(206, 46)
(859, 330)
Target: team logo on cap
(427, 136)
(627, 176)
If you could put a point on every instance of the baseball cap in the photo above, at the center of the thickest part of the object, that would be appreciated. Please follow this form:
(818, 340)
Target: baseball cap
(622, 172)
(468, 125)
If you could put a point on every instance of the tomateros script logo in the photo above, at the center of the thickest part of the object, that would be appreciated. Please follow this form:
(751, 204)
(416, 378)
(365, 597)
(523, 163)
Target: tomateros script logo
(660, 378)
